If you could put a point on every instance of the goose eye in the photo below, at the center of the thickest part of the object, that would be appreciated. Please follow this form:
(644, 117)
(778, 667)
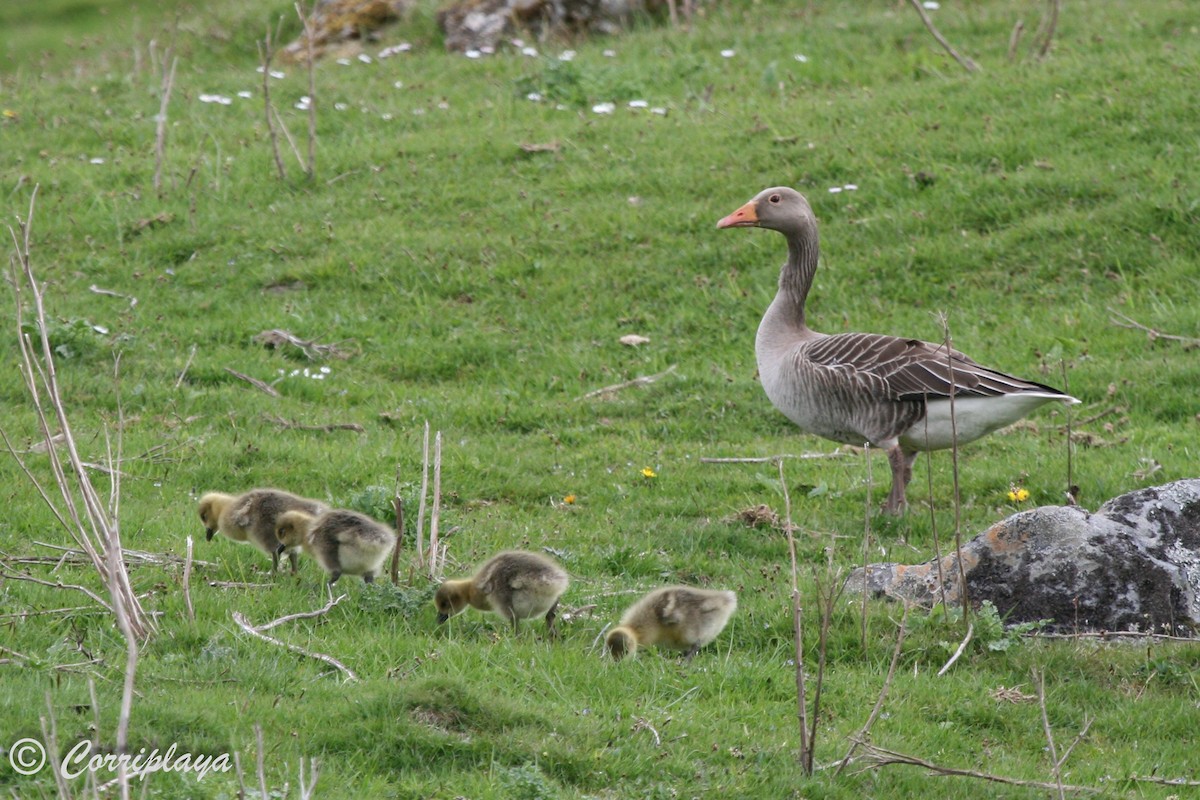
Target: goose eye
(774, 198)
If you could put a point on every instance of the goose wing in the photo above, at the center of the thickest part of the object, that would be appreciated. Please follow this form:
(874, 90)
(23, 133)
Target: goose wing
(909, 369)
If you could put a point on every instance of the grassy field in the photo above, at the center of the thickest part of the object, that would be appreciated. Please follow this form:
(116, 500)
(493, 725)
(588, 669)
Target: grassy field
(479, 255)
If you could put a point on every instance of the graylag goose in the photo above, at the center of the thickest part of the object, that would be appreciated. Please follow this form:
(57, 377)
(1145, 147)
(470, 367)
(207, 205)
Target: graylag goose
(515, 584)
(859, 388)
(675, 617)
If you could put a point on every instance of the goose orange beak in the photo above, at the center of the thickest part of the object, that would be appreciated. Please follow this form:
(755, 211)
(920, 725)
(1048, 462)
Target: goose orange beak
(744, 217)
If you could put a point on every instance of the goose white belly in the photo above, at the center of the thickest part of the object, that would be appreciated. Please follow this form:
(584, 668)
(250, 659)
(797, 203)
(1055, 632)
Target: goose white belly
(811, 411)
(974, 417)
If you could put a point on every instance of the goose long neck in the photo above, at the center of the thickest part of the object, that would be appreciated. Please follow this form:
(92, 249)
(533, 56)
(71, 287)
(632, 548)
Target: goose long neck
(796, 277)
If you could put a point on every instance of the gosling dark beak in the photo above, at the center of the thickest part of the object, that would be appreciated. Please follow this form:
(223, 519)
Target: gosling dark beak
(744, 217)
(279, 550)
(209, 533)
(442, 618)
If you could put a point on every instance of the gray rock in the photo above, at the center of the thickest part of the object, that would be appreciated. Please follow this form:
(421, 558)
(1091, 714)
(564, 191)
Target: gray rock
(1133, 565)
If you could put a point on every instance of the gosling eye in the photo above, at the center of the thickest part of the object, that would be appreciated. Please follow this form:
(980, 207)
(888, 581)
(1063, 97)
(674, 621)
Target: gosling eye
(774, 198)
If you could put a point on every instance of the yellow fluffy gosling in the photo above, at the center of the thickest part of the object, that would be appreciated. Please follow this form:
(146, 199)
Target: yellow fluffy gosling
(250, 517)
(676, 617)
(515, 584)
(341, 541)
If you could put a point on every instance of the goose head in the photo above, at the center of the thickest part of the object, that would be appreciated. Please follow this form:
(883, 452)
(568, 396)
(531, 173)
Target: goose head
(291, 528)
(210, 508)
(779, 208)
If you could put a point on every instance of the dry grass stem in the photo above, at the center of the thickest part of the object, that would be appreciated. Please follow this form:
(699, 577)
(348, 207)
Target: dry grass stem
(259, 761)
(266, 52)
(772, 459)
(643, 380)
(435, 513)
(964, 62)
(50, 738)
(308, 791)
(57, 585)
(806, 755)
(422, 499)
(245, 625)
(187, 583)
(186, 366)
(1056, 760)
(164, 99)
(1014, 39)
(309, 35)
(398, 507)
(962, 570)
(1046, 34)
(865, 731)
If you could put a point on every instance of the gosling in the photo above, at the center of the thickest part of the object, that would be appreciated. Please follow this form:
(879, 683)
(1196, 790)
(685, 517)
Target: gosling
(343, 542)
(251, 517)
(675, 617)
(515, 584)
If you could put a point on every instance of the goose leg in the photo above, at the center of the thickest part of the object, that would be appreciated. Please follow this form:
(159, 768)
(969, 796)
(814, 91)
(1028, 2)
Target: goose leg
(901, 463)
(550, 620)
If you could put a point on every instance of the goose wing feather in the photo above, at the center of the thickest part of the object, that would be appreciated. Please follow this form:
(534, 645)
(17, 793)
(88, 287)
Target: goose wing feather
(909, 369)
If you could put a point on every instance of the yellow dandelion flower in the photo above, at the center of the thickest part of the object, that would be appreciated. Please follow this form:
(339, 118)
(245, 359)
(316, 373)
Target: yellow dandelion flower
(649, 473)
(569, 499)
(1018, 495)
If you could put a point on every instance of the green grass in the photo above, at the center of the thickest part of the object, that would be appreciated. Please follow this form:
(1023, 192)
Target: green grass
(484, 289)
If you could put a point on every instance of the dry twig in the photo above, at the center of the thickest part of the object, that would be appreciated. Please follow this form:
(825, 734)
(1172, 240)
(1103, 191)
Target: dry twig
(882, 757)
(643, 380)
(245, 625)
(961, 649)
(309, 35)
(288, 424)
(276, 339)
(187, 583)
(883, 693)
(1153, 334)
(807, 734)
(255, 382)
(302, 615)
(266, 52)
(964, 62)
(164, 99)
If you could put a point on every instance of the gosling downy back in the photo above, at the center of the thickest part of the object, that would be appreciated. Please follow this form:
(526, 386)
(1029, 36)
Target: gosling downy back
(343, 542)
(675, 617)
(515, 584)
(251, 516)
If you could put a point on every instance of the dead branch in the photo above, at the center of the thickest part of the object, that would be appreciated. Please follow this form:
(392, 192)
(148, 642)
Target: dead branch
(964, 62)
(238, 585)
(883, 693)
(277, 339)
(46, 611)
(1163, 781)
(287, 134)
(1111, 635)
(288, 424)
(644, 380)
(245, 625)
(882, 757)
(100, 536)
(255, 382)
(961, 648)
(1153, 334)
(303, 614)
(58, 585)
